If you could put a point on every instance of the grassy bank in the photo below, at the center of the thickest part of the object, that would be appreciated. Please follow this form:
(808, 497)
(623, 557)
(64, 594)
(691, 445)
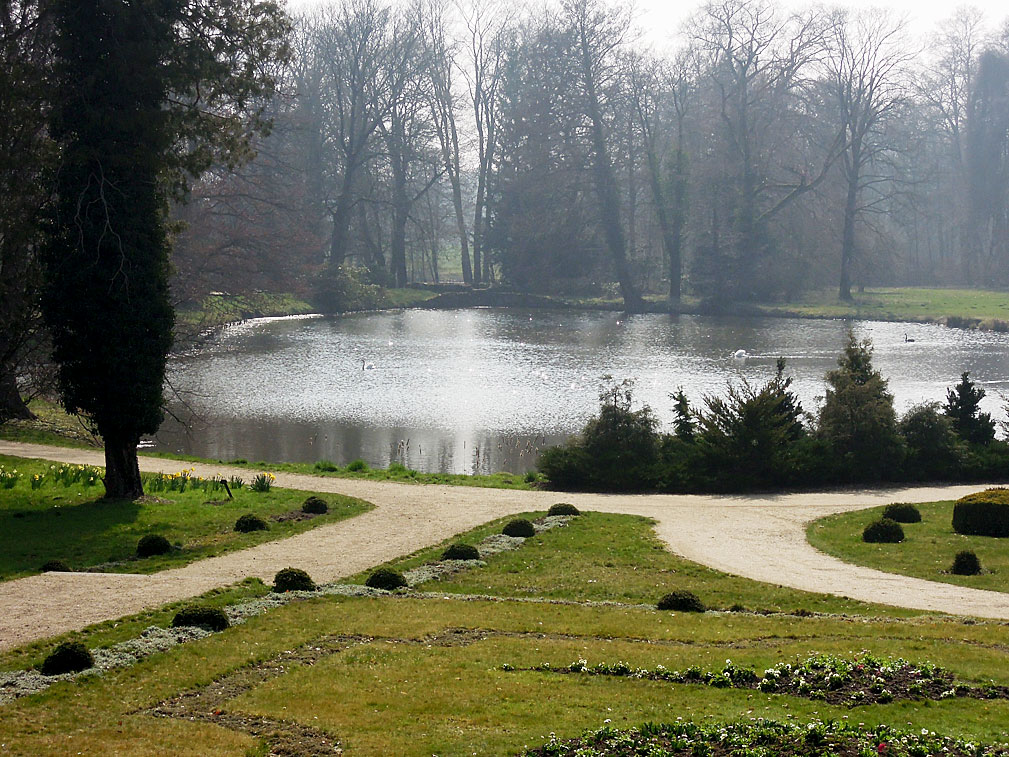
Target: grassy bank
(454, 675)
(49, 520)
(927, 551)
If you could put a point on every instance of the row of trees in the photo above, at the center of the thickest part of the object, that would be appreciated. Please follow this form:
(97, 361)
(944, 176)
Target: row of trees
(760, 437)
(769, 153)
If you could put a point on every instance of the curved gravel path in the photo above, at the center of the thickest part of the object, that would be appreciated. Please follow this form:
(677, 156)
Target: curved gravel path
(759, 537)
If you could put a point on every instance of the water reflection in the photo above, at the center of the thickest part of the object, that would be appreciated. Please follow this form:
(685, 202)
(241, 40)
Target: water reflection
(482, 390)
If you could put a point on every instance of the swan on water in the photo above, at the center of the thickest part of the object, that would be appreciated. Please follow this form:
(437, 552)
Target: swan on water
(366, 366)
(740, 355)
(907, 338)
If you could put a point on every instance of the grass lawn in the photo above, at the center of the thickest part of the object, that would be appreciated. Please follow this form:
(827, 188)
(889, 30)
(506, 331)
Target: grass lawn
(902, 304)
(926, 552)
(75, 525)
(410, 676)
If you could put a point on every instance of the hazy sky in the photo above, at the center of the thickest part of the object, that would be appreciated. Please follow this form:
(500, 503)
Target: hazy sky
(660, 19)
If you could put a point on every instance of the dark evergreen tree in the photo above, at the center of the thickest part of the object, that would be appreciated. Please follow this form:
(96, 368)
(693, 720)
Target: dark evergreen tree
(684, 423)
(857, 419)
(133, 122)
(963, 409)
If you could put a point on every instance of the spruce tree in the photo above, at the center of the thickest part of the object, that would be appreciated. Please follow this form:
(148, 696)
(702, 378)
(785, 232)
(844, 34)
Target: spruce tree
(963, 409)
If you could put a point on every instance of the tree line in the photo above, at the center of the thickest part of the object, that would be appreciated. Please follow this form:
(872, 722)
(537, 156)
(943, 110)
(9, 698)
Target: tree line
(552, 151)
(760, 437)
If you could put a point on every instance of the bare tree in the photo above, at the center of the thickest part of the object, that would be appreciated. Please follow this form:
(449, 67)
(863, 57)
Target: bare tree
(866, 65)
(598, 34)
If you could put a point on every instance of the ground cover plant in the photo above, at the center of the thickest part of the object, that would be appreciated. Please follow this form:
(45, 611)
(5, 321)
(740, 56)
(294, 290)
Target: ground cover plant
(422, 674)
(71, 522)
(928, 549)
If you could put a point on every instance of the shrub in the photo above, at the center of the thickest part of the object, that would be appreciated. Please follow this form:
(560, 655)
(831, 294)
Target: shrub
(982, 513)
(325, 466)
(901, 512)
(315, 505)
(357, 466)
(56, 566)
(567, 466)
(519, 527)
(966, 564)
(292, 579)
(211, 618)
(249, 522)
(883, 531)
(68, 657)
(563, 508)
(933, 448)
(387, 579)
(153, 544)
(461, 552)
(963, 409)
(681, 600)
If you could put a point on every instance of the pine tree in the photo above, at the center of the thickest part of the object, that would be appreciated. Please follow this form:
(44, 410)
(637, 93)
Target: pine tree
(963, 409)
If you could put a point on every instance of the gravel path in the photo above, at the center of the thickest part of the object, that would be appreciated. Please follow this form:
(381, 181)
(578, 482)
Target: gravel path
(759, 537)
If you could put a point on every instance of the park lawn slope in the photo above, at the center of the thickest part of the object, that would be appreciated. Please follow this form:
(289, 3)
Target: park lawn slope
(75, 524)
(429, 674)
(927, 551)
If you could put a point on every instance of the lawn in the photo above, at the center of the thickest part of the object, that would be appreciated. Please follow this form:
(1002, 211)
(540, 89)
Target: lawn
(75, 524)
(926, 552)
(421, 675)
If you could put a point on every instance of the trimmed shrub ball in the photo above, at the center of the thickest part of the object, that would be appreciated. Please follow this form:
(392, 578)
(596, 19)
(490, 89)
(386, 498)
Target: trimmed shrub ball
(461, 552)
(966, 564)
(56, 566)
(292, 579)
(383, 578)
(153, 544)
(883, 531)
(519, 527)
(563, 508)
(983, 513)
(68, 657)
(902, 513)
(249, 522)
(315, 506)
(681, 601)
(211, 618)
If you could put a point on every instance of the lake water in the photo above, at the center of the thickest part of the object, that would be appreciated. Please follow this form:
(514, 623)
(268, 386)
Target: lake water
(483, 390)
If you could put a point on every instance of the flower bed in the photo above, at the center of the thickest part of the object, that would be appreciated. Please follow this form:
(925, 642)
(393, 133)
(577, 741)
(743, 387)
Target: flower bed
(763, 737)
(863, 680)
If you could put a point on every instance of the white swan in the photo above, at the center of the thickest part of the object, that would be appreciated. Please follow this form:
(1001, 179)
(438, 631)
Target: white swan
(740, 355)
(366, 366)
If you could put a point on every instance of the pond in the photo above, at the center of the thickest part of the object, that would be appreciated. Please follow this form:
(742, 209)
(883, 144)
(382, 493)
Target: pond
(482, 390)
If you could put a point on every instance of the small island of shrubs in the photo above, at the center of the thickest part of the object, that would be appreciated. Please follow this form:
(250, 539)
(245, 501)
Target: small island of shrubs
(759, 437)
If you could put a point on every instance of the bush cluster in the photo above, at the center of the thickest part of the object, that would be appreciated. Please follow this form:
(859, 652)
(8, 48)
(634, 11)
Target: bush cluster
(153, 544)
(883, 531)
(211, 618)
(519, 527)
(385, 578)
(292, 579)
(966, 564)
(902, 513)
(758, 436)
(68, 657)
(461, 552)
(250, 522)
(681, 600)
(563, 508)
(55, 566)
(315, 506)
(983, 513)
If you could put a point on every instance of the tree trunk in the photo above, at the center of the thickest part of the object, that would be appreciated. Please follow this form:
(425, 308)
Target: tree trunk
(122, 469)
(12, 407)
(848, 236)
